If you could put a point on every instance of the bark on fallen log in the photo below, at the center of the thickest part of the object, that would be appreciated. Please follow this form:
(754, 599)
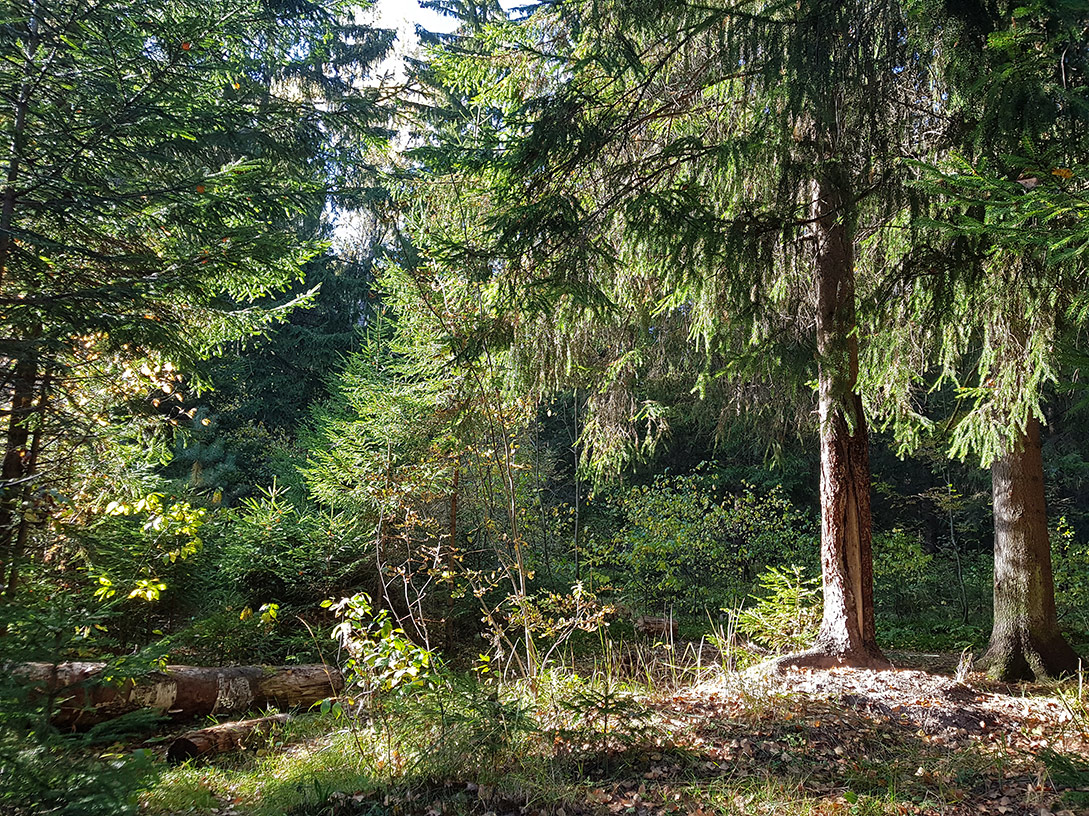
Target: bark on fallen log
(83, 697)
(219, 739)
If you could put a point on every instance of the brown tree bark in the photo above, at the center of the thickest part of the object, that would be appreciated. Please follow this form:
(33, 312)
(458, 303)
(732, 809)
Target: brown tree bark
(82, 697)
(223, 738)
(21, 105)
(18, 466)
(848, 633)
(1025, 640)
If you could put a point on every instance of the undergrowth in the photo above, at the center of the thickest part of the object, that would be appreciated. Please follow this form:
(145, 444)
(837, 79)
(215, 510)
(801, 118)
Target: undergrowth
(603, 740)
(614, 731)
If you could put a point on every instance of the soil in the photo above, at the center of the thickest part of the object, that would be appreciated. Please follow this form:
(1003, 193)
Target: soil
(916, 740)
(943, 746)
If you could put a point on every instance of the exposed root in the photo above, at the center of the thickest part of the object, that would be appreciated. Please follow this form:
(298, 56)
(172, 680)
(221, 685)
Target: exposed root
(1014, 659)
(817, 658)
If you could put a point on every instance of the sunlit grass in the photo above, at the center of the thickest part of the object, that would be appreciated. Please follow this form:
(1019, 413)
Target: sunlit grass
(286, 777)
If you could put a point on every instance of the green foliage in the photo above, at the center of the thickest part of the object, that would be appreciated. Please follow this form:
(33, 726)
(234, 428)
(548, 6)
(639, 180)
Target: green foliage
(380, 444)
(931, 601)
(459, 726)
(786, 615)
(43, 770)
(275, 380)
(1068, 771)
(683, 543)
(933, 630)
(219, 637)
(276, 547)
(167, 170)
(274, 551)
(221, 461)
(379, 656)
(1070, 566)
(164, 224)
(904, 573)
(151, 534)
(68, 776)
(655, 253)
(994, 270)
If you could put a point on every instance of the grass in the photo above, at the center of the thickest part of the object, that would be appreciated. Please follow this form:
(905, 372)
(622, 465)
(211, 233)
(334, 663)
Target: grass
(637, 730)
(295, 775)
(604, 742)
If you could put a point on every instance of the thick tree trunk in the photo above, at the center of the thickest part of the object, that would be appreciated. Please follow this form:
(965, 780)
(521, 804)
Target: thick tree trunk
(223, 738)
(82, 697)
(847, 635)
(1025, 641)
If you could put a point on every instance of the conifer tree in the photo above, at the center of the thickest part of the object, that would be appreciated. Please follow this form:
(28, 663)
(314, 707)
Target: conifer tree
(999, 276)
(716, 159)
(162, 162)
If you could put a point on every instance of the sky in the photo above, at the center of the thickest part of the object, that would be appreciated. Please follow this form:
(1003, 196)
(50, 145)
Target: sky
(405, 14)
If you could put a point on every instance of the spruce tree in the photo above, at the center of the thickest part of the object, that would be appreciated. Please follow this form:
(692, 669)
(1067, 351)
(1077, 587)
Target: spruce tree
(994, 281)
(720, 160)
(162, 164)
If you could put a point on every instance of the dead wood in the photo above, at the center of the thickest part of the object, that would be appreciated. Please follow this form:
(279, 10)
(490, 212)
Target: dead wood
(83, 696)
(224, 738)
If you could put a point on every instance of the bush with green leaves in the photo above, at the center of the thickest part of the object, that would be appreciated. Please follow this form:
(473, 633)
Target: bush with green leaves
(903, 573)
(276, 547)
(1070, 563)
(42, 769)
(686, 544)
(456, 726)
(930, 632)
(121, 557)
(274, 551)
(68, 775)
(376, 654)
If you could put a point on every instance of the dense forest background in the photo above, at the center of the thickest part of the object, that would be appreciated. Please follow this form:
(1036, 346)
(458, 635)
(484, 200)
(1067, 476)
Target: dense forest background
(588, 323)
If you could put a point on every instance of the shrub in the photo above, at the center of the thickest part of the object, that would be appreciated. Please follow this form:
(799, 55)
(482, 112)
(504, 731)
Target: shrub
(43, 770)
(903, 573)
(686, 544)
(377, 655)
(787, 614)
(1070, 562)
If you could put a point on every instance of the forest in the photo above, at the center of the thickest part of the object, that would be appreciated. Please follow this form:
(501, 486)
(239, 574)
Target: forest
(597, 407)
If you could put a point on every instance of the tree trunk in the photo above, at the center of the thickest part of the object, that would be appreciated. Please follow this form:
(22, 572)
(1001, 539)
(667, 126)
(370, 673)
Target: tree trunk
(848, 634)
(1025, 640)
(222, 738)
(82, 697)
(451, 556)
(18, 466)
(21, 105)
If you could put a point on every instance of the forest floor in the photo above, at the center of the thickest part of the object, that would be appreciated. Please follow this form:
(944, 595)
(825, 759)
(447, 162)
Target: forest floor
(839, 741)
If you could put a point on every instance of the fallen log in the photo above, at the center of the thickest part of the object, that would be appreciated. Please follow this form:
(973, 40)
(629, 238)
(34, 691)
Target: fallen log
(219, 739)
(657, 627)
(83, 696)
